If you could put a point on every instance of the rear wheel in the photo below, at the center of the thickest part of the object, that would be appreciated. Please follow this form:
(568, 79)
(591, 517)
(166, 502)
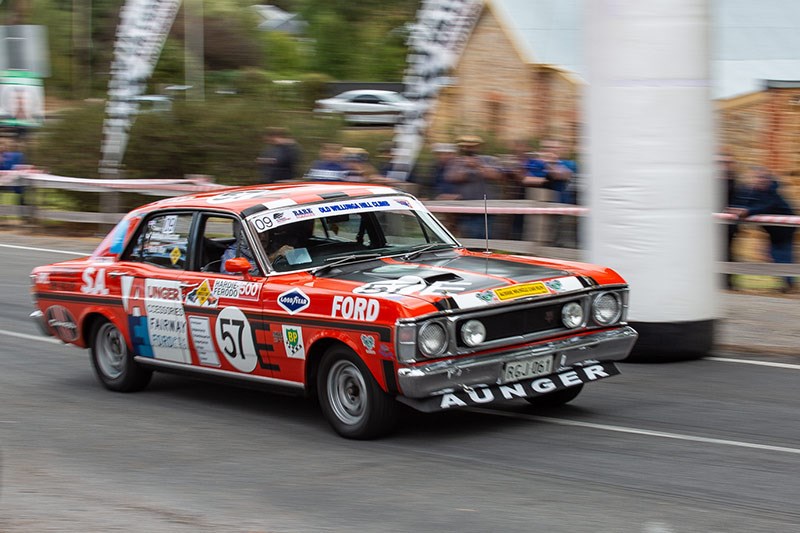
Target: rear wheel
(557, 398)
(351, 399)
(112, 361)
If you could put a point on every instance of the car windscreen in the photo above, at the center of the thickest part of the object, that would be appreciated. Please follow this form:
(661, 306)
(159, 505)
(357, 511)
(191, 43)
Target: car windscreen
(307, 237)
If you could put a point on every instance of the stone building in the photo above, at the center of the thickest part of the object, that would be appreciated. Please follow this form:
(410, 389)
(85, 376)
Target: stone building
(521, 74)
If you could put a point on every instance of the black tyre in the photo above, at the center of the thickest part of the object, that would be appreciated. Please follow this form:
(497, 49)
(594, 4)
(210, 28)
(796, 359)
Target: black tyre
(113, 362)
(351, 399)
(557, 398)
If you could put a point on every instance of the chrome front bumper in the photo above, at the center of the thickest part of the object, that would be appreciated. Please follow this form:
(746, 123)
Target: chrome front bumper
(38, 319)
(441, 377)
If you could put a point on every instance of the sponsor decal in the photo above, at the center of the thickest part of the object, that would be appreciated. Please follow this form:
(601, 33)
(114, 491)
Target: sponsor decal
(564, 284)
(203, 342)
(169, 224)
(486, 296)
(368, 342)
(523, 389)
(235, 196)
(235, 339)
(175, 255)
(385, 350)
(411, 285)
(201, 296)
(166, 321)
(363, 309)
(62, 323)
(264, 221)
(293, 301)
(277, 337)
(94, 281)
(236, 290)
(293, 342)
(521, 291)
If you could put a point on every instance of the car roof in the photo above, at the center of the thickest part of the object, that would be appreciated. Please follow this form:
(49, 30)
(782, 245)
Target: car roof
(245, 200)
(367, 91)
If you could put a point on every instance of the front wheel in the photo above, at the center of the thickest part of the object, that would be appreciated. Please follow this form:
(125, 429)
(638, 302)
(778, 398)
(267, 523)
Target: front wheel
(351, 399)
(557, 398)
(112, 361)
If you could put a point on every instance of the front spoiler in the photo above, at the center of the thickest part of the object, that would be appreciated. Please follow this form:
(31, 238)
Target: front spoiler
(527, 388)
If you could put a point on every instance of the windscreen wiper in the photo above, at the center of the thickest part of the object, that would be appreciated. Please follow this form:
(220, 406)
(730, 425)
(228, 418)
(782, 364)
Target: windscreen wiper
(425, 248)
(340, 260)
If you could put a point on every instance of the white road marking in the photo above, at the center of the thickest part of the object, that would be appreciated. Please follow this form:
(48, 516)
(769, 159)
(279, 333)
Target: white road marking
(49, 250)
(637, 431)
(750, 362)
(30, 337)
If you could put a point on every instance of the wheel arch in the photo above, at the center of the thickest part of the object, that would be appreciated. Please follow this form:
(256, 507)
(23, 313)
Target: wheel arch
(317, 349)
(88, 323)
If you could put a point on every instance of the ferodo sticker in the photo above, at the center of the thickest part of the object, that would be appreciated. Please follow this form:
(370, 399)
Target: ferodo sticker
(62, 323)
(236, 290)
(363, 309)
(235, 339)
(521, 290)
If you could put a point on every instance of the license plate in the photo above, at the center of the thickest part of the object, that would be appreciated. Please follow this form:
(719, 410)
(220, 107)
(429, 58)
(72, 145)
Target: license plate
(528, 368)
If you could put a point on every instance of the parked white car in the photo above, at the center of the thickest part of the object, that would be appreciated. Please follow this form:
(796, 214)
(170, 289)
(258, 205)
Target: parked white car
(367, 106)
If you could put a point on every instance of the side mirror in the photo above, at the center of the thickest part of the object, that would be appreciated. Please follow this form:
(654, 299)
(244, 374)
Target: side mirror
(238, 265)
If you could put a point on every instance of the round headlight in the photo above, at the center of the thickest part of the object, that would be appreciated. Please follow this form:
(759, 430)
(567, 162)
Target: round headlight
(473, 332)
(432, 339)
(606, 309)
(572, 315)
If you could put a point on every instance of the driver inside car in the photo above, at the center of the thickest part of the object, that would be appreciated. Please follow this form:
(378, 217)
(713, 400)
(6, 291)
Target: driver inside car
(287, 244)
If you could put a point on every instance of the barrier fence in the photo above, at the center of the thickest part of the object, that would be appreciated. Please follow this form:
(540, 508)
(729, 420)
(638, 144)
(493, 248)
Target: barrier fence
(32, 179)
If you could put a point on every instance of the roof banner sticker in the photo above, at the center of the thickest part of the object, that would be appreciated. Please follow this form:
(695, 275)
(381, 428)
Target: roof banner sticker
(265, 221)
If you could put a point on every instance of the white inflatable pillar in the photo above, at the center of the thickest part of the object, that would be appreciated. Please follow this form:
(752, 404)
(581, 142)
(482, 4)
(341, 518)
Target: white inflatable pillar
(649, 153)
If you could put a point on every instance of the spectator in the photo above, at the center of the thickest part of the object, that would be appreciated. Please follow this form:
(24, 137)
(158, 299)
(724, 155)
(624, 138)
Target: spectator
(731, 179)
(444, 155)
(474, 176)
(762, 198)
(279, 158)
(356, 163)
(385, 158)
(329, 166)
(550, 169)
(515, 170)
(11, 157)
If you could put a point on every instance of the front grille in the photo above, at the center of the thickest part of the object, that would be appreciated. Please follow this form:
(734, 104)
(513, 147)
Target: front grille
(517, 322)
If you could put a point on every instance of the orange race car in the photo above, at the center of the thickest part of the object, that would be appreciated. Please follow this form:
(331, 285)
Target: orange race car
(353, 293)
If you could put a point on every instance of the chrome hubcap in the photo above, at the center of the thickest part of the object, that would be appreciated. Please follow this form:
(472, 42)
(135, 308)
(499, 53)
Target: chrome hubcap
(346, 392)
(111, 351)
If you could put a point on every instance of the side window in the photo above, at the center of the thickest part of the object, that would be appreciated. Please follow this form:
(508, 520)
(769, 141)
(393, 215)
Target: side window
(367, 99)
(222, 238)
(163, 241)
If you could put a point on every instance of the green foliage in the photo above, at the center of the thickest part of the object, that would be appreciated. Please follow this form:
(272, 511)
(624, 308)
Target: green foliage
(221, 137)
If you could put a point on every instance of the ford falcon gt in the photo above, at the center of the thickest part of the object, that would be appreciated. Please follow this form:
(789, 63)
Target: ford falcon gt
(351, 293)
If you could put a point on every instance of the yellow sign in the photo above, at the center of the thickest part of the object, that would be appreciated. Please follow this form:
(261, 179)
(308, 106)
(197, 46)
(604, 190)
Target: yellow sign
(175, 255)
(520, 291)
(203, 292)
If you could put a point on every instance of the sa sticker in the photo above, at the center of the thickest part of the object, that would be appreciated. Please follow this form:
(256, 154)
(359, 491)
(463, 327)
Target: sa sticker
(235, 339)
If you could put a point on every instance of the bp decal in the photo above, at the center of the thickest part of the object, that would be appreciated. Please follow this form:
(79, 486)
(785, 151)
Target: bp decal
(293, 342)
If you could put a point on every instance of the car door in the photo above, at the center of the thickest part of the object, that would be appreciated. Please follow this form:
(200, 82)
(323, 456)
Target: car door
(366, 108)
(223, 310)
(151, 288)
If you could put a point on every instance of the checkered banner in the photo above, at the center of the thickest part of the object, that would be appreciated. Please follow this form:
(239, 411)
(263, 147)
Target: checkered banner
(435, 44)
(143, 28)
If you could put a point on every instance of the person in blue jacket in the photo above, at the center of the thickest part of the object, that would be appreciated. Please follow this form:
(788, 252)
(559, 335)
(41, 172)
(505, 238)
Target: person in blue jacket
(763, 198)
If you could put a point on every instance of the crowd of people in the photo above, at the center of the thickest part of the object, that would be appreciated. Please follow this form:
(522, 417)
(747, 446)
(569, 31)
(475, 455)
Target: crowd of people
(459, 171)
